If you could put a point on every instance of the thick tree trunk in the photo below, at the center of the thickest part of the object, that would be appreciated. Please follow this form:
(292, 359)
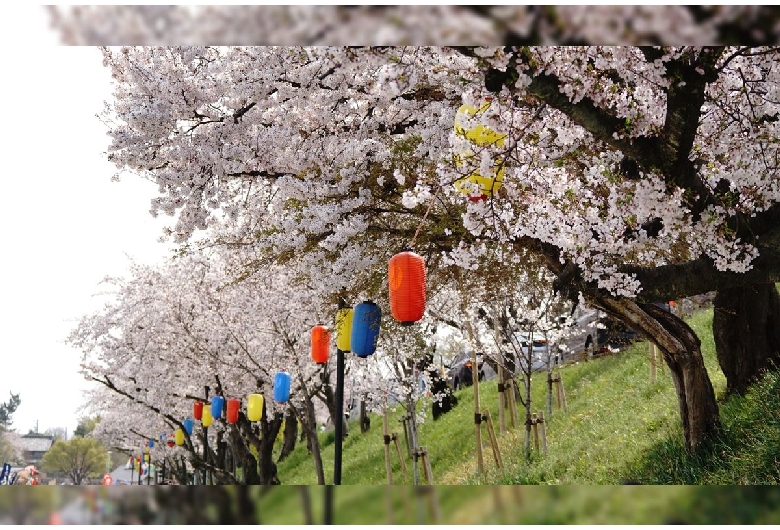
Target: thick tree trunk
(309, 427)
(681, 349)
(329, 393)
(365, 420)
(746, 329)
(290, 433)
(270, 429)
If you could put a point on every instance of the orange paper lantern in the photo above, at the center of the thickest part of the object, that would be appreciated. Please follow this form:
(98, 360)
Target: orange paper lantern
(406, 279)
(320, 344)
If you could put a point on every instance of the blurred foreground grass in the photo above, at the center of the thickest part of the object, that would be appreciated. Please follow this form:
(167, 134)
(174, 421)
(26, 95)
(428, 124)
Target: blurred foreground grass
(365, 505)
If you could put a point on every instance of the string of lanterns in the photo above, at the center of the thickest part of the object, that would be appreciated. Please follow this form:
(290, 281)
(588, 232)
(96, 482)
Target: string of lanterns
(357, 330)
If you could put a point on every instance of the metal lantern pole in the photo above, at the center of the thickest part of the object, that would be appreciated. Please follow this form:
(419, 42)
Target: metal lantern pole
(339, 419)
(339, 415)
(205, 444)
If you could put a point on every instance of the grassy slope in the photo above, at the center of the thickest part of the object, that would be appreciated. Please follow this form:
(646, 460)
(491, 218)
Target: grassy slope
(619, 426)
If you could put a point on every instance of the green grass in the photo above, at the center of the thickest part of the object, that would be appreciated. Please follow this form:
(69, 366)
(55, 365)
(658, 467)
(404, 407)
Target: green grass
(616, 419)
(619, 427)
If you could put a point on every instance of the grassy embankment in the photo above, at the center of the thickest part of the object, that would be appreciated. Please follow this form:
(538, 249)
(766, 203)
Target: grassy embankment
(620, 426)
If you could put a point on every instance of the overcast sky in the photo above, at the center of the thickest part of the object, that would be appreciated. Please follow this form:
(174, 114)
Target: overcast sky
(65, 224)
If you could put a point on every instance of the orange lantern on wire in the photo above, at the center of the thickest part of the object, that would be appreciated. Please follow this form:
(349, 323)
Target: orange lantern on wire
(406, 280)
(320, 344)
(233, 406)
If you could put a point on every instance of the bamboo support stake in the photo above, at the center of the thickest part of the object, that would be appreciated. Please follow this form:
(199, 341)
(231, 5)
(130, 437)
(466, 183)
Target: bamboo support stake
(493, 440)
(401, 459)
(474, 375)
(387, 439)
(433, 499)
(560, 392)
(405, 421)
(500, 375)
(534, 423)
(510, 393)
(652, 348)
(563, 394)
(426, 465)
(500, 506)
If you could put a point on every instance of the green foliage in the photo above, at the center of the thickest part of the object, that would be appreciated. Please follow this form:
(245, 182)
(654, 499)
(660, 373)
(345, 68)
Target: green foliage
(7, 410)
(79, 458)
(86, 426)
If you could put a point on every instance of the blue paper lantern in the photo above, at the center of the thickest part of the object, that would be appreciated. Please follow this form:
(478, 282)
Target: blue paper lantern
(189, 423)
(217, 404)
(282, 387)
(151, 443)
(366, 320)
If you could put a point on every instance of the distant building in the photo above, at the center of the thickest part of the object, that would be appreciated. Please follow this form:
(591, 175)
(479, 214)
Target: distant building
(34, 446)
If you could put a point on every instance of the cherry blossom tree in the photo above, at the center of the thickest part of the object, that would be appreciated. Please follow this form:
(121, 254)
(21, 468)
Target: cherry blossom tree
(168, 334)
(289, 25)
(636, 175)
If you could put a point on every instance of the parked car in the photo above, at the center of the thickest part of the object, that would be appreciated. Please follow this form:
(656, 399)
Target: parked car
(539, 352)
(459, 373)
(597, 333)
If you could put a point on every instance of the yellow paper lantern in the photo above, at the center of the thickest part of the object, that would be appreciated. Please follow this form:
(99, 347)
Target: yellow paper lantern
(206, 418)
(179, 437)
(344, 328)
(480, 136)
(254, 409)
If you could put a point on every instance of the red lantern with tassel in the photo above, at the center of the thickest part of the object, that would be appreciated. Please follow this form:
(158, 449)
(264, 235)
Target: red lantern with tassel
(320, 344)
(406, 279)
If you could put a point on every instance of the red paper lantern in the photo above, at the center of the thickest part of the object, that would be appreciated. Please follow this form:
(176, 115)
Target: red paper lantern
(406, 279)
(320, 344)
(233, 405)
(197, 410)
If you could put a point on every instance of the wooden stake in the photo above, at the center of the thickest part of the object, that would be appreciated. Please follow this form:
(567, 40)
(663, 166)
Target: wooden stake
(543, 432)
(500, 375)
(405, 421)
(534, 422)
(493, 439)
(474, 375)
(387, 439)
(429, 492)
(652, 348)
(510, 394)
(560, 392)
(401, 459)
(426, 464)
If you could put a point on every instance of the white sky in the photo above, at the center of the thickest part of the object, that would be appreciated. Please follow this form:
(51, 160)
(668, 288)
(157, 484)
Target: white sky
(64, 224)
